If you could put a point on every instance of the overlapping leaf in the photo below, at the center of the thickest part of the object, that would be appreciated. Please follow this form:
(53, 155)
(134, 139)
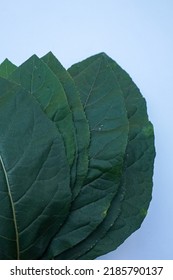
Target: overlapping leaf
(82, 135)
(138, 171)
(76, 158)
(138, 165)
(37, 79)
(33, 173)
(101, 98)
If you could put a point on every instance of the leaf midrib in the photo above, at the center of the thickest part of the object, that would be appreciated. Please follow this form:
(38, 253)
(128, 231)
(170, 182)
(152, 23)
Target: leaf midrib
(12, 207)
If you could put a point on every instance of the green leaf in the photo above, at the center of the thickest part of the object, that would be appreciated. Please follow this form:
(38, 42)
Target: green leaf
(76, 158)
(34, 176)
(6, 68)
(37, 79)
(104, 107)
(76, 252)
(82, 135)
(137, 174)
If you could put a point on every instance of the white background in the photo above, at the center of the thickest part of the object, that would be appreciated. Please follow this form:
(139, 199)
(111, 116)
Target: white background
(139, 36)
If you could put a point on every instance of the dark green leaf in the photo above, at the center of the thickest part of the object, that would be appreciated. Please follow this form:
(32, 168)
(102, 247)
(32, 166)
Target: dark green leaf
(137, 174)
(79, 120)
(34, 176)
(104, 107)
(36, 77)
(76, 158)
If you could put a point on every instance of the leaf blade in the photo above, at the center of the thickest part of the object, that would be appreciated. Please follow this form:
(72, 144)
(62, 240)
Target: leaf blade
(82, 134)
(102, 180)
(138, 171)
(24, 173)
(37, 79)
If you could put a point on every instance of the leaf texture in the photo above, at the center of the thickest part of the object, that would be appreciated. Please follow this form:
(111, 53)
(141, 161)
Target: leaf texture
(33, 173)
(37, 79)
(76, 158)
(137, 171)
(108, 125)
(82, 135)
